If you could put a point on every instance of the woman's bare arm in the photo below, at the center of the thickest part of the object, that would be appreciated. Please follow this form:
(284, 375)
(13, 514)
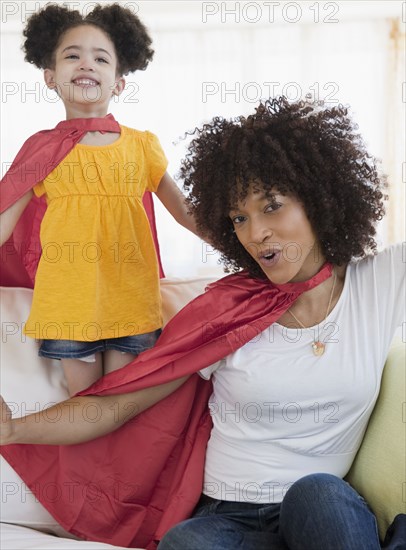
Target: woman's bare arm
(80, 419)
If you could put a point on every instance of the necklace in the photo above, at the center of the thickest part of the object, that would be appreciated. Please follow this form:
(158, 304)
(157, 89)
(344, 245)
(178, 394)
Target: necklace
(318, 347)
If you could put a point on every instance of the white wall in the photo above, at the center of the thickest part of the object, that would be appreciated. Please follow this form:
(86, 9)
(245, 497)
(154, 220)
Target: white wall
(219, 58)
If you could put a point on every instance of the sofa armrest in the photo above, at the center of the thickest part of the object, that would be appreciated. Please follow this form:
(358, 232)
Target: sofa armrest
(378, 471)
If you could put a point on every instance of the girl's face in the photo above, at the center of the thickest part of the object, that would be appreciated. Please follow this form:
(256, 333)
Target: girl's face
(276, 232)
(85, 73)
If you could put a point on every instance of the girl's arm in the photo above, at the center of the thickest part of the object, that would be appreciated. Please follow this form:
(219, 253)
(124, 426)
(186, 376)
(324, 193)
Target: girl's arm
(175, 202)
(68, 422)
(10, 217)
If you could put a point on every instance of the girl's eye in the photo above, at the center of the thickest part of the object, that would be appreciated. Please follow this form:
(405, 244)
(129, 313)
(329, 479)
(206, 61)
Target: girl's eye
(72, 56)
(102, 59)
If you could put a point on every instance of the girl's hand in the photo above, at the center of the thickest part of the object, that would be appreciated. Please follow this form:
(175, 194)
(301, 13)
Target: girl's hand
(6, 424)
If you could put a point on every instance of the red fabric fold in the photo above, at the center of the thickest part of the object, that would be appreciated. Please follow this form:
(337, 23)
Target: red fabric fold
(129, 487)
(39, 155)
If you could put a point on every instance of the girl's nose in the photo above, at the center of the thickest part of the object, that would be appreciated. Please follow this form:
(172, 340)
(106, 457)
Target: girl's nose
(87, 65)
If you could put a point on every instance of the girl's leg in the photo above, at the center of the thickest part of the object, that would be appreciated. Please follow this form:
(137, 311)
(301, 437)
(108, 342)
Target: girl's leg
(81, 374)
(323, 511)
(114, 360)
(121, 351)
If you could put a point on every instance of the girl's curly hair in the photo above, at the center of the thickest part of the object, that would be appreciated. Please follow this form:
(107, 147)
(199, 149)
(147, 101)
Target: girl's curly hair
(304, 149)
(45, 29)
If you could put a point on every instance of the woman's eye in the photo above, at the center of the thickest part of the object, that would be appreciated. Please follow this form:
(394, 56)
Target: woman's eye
(102, 59)
(272, 207)
(72, 56)
(237, 219)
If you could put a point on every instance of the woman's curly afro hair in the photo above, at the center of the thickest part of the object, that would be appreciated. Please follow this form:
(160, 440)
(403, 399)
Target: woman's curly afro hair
(303, 149)
(44, 31)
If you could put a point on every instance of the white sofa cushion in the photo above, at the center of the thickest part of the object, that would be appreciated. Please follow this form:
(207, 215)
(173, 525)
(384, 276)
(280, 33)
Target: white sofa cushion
(30, 383)
(15, 537)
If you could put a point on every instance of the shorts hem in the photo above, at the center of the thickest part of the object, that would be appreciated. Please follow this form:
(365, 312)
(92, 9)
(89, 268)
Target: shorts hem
(72, 355)
(129, 344)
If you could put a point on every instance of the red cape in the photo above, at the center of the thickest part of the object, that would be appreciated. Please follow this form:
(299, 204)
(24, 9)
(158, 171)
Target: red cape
(129, 487)
(38, 156)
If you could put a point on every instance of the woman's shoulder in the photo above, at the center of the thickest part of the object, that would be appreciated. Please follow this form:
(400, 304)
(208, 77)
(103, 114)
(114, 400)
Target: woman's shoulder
(385, 265)
(391, 255)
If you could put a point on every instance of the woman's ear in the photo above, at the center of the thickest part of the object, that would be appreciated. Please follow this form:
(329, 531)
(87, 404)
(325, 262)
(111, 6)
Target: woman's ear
(118, 86)
(49, 79)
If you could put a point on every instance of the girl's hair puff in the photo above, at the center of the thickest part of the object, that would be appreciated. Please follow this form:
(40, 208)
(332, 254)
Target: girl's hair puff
(45, 29)
(304, 149)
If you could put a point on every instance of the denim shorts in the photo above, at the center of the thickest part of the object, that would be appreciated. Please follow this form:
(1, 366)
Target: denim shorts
(74, 349)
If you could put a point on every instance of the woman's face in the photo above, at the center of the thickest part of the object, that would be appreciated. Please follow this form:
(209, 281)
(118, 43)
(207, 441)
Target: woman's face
(276, 232)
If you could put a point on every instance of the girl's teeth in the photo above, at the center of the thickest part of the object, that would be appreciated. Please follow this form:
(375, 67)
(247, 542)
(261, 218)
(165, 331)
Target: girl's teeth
(86, 82)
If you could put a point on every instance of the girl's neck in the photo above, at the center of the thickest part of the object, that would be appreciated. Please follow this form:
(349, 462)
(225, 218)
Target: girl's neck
(87, 112)
(96, 138)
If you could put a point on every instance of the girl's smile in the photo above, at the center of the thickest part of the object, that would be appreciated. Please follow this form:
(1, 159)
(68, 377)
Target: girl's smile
(85, 82)
(85, 72)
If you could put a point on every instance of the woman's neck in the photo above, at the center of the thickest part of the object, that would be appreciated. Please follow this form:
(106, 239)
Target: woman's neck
(311, 306)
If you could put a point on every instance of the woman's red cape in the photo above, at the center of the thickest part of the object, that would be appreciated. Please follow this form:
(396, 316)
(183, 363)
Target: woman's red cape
(129, 487)
(38, 156)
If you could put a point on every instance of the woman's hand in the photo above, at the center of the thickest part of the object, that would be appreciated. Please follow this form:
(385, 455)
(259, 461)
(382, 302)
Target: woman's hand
(6, 424)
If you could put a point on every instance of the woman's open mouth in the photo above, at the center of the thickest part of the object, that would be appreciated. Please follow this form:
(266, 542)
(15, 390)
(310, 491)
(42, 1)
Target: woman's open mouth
(269, 259)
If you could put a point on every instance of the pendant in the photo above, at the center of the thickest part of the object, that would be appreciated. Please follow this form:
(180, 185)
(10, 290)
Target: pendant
(318, 348)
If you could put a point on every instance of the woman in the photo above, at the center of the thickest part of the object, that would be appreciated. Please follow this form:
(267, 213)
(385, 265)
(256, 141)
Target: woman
(290, 195)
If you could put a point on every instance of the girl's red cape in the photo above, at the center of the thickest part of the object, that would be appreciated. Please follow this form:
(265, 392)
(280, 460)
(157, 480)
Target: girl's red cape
(38, 156)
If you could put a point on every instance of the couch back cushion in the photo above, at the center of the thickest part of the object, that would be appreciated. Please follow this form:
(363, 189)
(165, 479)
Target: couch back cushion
(30, 383)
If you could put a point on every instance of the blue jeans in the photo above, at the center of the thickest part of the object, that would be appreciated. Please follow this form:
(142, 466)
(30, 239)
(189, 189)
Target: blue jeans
(319, 512)
(75, 349)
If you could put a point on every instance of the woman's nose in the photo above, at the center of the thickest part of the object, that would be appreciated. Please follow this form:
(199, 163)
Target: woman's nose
(259, 231)
(259, 237)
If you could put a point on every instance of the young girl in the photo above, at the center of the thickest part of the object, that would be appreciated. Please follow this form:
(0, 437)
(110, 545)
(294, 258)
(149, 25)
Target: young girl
(97, 283)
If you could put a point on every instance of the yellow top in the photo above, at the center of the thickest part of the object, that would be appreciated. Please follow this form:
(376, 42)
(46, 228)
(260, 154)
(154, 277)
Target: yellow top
(98, 274)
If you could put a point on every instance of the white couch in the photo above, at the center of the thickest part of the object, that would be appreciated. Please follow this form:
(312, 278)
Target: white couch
(30, 383)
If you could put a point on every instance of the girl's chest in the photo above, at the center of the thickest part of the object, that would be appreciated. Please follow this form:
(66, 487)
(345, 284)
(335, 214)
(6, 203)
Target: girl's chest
(98, 173)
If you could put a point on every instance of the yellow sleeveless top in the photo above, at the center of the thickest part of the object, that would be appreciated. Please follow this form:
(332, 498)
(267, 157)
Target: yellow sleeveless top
(98, 274)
